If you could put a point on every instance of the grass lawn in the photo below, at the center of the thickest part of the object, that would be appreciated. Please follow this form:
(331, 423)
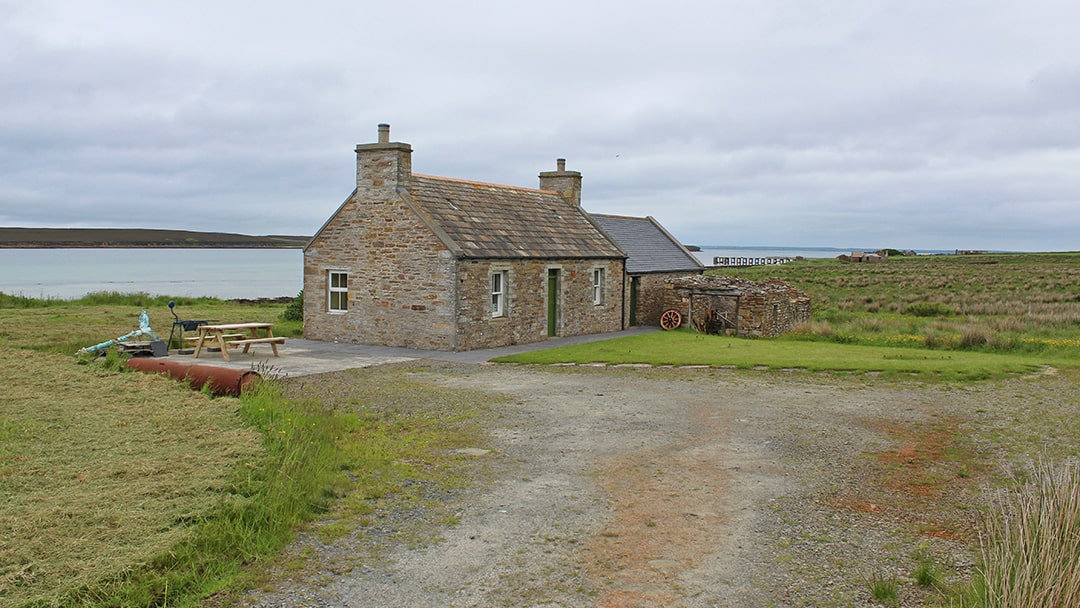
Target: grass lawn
(936, 317)
(686, 347)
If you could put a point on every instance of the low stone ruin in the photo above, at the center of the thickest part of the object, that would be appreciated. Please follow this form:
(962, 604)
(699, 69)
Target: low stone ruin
(733, 306)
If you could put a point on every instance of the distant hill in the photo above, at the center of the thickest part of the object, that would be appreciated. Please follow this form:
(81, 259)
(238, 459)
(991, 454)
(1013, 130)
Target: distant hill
(41, 238)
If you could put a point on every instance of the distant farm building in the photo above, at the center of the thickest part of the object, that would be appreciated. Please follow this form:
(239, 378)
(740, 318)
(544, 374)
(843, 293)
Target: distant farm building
(864, 257)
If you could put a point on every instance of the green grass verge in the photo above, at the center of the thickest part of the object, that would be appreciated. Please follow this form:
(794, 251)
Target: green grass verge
(686, 347)
(65, 326)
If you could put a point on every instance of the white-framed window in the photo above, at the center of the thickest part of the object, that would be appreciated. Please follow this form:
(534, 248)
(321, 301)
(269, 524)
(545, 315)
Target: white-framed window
(598, 286)
(498, 294)
(338, 291)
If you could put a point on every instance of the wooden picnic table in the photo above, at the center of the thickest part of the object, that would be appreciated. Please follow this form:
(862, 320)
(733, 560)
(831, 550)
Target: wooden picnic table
(235, 335)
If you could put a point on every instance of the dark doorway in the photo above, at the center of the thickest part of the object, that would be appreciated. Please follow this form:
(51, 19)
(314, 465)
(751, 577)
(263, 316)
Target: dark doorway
(553, 302)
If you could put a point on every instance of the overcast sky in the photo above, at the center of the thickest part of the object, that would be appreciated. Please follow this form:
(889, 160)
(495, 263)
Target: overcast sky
(925, 124)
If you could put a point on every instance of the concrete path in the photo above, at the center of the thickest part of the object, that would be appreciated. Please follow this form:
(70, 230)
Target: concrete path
(301, 357)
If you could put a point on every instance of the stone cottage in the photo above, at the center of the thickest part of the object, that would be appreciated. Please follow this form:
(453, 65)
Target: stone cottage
(654, 258)
(437, 263)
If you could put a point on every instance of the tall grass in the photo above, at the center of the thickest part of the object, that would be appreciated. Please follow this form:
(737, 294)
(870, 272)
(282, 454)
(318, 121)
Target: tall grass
(100, 298)
(1031, 549)
(254, 517)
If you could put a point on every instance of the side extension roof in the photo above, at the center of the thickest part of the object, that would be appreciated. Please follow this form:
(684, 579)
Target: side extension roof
(649, 246)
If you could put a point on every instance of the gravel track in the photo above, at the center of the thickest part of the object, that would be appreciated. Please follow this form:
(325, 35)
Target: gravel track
(620, 487)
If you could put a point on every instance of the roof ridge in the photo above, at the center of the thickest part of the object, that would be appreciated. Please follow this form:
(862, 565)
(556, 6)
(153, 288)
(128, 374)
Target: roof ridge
(480, 183)
(620, 217)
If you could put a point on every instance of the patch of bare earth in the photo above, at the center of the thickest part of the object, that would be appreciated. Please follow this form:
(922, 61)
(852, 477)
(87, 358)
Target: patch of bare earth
(633, 488)
(670, 509)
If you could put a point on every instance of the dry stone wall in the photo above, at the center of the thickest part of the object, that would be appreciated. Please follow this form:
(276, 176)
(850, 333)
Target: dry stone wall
(755, 308)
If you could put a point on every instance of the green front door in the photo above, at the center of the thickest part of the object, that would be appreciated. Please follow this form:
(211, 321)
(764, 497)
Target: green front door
(553, 302)
(633, 300)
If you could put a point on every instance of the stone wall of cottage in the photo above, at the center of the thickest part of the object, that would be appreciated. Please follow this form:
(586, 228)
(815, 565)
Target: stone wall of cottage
(401, 278)
(526, 313)
(653, 296)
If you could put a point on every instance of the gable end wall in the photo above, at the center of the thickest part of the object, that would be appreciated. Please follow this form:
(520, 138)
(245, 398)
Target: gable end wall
(401, 285)
(653, 298)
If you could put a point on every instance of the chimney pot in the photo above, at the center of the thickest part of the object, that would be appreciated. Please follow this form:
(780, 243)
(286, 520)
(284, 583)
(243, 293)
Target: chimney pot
(383, 163)
(566, 183)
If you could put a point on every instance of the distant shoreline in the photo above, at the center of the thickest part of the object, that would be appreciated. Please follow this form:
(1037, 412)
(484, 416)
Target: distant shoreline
(135, 238)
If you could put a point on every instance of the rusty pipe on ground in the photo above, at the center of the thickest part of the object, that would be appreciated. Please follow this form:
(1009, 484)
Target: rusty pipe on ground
(221, 380)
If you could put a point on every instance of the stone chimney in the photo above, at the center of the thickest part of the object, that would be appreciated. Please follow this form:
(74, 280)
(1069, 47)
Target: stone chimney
(566, 183)
(384, 164)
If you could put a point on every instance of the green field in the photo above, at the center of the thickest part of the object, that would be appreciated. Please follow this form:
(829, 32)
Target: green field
(991, 302)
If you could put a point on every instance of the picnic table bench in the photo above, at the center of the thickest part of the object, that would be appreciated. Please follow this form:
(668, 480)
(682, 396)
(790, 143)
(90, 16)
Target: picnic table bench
(235, 335)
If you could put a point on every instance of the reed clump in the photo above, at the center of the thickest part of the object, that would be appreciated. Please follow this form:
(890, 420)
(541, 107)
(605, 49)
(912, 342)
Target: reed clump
(1031, 542)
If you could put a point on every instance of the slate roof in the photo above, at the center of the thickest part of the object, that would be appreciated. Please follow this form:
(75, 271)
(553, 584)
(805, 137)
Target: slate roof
(480, 220)
(650, 247)
(721, 285)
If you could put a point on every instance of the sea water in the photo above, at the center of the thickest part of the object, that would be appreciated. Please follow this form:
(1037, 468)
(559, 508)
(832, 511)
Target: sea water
(220, 273)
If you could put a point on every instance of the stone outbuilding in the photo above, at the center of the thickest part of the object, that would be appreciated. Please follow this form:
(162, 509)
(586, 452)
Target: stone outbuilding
(437, 263)
(729, 305)
(864, 257)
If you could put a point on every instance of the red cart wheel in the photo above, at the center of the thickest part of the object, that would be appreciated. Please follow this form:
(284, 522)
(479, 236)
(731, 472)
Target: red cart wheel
(671, 319)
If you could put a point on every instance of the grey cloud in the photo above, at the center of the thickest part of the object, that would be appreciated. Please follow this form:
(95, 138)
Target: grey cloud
(831, 124)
